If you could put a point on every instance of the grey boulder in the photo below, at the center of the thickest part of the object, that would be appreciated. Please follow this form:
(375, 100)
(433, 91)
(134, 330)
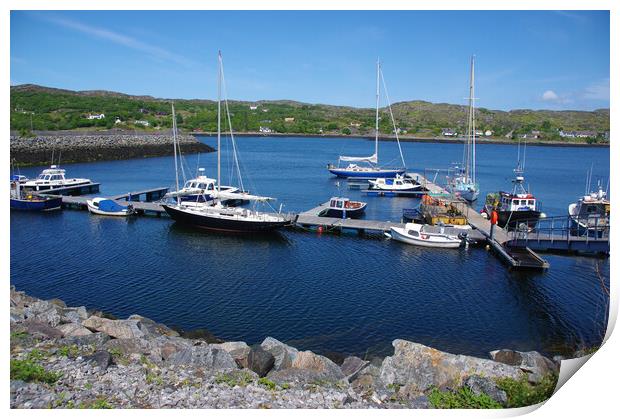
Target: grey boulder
(425, 367)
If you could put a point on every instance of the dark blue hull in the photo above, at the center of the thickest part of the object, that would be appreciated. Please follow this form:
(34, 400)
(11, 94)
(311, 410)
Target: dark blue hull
(36, 205)
(343, 213)
(372, 174)
(218, 224)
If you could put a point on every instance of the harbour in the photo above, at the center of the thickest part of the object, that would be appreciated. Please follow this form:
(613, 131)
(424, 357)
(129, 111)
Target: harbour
(291, 264)
(515, 249)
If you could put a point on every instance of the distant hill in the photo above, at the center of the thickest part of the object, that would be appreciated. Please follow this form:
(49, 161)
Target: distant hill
(46, 108)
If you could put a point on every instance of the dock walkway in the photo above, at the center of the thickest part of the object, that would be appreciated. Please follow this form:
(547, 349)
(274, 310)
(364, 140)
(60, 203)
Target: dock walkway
(142, 208)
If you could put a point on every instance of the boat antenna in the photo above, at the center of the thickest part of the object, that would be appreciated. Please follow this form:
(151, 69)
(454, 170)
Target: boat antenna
(219, 110)
(174, 144)
(377, 114)
(387, 97)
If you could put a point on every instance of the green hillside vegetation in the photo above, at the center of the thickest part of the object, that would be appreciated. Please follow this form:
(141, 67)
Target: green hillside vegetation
(41, 108)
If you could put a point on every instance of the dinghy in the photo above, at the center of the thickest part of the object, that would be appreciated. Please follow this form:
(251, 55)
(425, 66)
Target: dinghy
(105, 206)
(416, 235)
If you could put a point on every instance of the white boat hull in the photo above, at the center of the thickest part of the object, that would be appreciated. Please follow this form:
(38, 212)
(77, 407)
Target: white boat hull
(93, 210)
(425, 240)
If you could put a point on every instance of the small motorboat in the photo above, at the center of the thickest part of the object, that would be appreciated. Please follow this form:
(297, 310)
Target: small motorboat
(343, 208)
(396, 184)
(415, 234)
(105, 206)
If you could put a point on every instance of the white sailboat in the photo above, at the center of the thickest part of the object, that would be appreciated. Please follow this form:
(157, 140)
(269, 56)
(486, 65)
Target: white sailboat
(371, 169)
(464, 183)
(216, 215)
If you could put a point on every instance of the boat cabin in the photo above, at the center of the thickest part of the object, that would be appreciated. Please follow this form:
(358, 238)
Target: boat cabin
(344, 203)
(517, 202)
(202, 183)
(52, 174)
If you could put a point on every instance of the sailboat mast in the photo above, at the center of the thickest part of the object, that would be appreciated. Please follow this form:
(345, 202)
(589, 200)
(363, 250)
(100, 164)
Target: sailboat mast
(219, 99)
(174, 144)
(473, 121)
(377, 115)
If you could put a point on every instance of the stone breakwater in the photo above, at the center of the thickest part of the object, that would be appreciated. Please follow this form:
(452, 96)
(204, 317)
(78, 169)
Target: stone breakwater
(65, 357)
(72, 148)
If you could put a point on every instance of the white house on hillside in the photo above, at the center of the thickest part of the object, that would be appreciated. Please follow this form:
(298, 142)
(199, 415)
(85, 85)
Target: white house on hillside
(96, 116)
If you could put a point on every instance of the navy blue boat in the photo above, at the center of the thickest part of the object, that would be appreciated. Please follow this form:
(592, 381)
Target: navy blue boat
(28, 201)
(369, 172)
(36, 203)
(343, 208)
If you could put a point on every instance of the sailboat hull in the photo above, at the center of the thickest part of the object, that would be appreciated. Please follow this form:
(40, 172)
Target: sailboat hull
(220, 224)
(366, 172)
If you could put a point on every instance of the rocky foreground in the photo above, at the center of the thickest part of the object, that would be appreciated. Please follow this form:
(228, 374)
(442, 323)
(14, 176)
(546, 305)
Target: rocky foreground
(71, 357)
(72, 148)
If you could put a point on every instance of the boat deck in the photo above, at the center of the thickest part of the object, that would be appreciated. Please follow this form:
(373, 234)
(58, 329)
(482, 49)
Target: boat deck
(83, 189)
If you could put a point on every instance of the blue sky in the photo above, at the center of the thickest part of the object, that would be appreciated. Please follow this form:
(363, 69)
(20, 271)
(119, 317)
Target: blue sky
(524, 59)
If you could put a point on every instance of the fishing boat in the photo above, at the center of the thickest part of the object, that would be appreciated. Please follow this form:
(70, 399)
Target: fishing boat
(29, 201)
(53, 178)
(590, 214)
(216, 215)
(343, 208)
(464, 184)
(417, 234)
(397, 184)
(105, 206)
(515, 209)
(370, 167)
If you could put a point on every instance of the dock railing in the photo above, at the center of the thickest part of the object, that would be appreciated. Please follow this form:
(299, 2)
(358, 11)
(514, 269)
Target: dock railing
(564, 228)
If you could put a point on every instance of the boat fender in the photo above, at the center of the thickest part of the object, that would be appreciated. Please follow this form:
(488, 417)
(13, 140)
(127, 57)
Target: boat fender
(319, 229)
(424, 236)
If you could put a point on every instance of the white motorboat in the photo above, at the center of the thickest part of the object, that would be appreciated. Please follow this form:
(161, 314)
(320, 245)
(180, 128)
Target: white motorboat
(105, 206)
(53, 178)
(415, 234)
(397, 184)
(199, 189)
(591, 213)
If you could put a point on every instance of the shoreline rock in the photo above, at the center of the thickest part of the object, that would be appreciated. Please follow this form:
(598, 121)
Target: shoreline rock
(97, 147)
(72, 358)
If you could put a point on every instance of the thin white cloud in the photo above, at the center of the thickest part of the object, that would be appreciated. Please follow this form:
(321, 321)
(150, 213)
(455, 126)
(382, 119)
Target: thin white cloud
(597, 91)
(550, 96)
(573, 15)
(118, 38)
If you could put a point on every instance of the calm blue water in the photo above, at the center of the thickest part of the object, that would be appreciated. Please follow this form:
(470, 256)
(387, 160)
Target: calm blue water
(320, 292)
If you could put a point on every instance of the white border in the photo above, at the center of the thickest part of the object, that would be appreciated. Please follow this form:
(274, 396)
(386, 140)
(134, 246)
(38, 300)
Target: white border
(591, 393)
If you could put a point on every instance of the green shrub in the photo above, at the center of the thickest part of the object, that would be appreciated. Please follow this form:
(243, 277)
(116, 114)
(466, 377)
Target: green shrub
(463, 398)
(266, 382)
(28, 370)
(237, 378)
(521, 393)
